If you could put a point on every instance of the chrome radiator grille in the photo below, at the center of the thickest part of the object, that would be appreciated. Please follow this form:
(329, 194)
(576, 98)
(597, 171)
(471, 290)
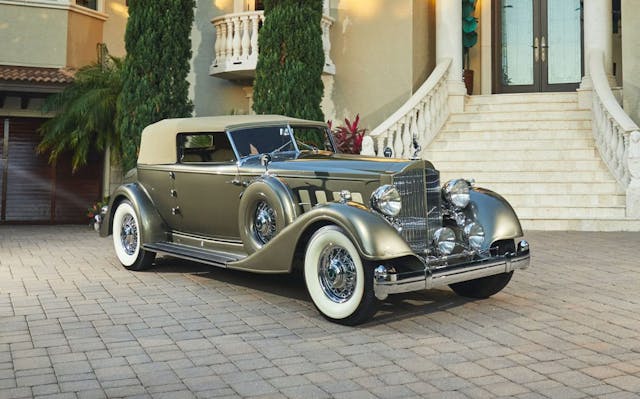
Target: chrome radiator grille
(420, 215)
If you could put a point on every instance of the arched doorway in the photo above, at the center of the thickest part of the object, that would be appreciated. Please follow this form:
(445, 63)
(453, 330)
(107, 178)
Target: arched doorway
(538, 45)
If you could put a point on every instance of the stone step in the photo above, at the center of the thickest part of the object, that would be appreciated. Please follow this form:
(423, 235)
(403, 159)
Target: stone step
(564, 200)
(443, 143)
(527, 98)
(513, 155)
(507, 135)
(538, 166)
(518, 176)
(474, 117)
(570, 213)
(522, 107)
(581, 224)
(487, 126)
(553, 188)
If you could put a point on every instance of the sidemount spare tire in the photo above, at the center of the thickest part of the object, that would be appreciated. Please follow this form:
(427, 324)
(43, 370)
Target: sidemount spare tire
(266, 207)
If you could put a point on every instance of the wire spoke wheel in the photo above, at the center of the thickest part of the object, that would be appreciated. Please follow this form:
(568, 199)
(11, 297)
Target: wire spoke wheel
(264, 222)
(337, 273)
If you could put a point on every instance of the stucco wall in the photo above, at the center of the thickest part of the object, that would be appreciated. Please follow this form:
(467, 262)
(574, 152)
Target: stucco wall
(83, 34)
(115, 26)
(424, 40)
(373, 46)
(631, 58)
(33, 36)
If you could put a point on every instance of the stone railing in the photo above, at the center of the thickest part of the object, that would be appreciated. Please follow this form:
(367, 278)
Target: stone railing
(617, 136)
(236, 48)
(419, 119)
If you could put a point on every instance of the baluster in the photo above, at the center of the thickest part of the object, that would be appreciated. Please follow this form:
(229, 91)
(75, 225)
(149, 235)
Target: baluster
(245, 38)
(406, 136)
(398, 145)
(218, 46)
(254, 36)
(236, 39)
(229, 52)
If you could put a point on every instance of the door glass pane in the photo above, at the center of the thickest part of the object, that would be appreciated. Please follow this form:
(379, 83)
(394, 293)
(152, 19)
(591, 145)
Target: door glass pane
(565, 49)
(517, 41)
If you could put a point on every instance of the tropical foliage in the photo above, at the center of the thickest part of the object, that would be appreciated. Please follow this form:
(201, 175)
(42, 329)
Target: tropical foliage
(349, 137)
(288, 74)
(469, 26)
(155, 70)
(84, 113)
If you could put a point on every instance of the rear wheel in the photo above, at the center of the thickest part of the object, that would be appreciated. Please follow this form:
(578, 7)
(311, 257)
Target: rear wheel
(339, 282)
(127, 239)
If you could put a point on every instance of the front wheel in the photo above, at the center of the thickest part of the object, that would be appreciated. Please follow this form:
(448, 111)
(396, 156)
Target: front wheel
(340, 285)
(126, 239)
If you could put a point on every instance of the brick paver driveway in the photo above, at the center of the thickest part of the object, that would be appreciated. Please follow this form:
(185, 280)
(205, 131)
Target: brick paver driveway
(75, 324)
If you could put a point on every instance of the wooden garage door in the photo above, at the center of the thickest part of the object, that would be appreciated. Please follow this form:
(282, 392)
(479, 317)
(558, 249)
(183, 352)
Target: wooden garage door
(33, 191)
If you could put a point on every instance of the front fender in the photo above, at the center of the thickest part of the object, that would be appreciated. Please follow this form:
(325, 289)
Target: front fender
(375, 239)
(495, 214)
(152, 226)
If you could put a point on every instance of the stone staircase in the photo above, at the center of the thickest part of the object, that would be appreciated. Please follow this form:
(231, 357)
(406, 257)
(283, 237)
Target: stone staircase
(537, 150)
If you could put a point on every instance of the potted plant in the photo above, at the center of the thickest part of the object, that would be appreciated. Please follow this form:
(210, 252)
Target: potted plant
(469, 39)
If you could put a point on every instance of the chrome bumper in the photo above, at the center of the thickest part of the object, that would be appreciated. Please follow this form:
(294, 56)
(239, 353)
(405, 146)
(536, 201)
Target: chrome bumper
(394, 283)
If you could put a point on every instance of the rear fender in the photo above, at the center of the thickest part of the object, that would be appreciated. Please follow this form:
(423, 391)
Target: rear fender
(152, 226)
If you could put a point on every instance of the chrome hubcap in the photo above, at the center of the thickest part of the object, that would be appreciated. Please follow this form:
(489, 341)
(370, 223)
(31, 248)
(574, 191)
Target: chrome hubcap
(129, 234)
(264, 222)
(337, 273)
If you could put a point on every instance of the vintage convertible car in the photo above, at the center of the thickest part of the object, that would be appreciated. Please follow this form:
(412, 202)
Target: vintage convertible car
(270, 194)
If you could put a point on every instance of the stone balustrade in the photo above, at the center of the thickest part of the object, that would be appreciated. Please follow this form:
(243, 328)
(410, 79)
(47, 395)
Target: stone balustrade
(236, 48)
(419, 119)
(617, 136)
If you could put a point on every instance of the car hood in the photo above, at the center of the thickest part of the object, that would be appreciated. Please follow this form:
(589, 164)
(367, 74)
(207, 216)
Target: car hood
(329, 164)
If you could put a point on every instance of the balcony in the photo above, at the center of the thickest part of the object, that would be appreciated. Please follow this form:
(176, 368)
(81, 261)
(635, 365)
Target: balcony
(236, 48)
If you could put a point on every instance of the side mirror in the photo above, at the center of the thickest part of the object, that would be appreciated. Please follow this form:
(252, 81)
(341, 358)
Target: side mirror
(265, 160)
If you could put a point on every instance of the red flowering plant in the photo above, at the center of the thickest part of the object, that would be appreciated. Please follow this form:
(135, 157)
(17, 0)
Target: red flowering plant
(348, 137)
(94, 210)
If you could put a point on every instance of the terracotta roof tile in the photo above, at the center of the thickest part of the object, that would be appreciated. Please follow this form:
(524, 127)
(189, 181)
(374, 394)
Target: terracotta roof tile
(36, 74)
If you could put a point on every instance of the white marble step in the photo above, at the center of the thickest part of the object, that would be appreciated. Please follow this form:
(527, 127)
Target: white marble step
(522, 107)
(513, 126)
(591, 224)
(512, 155)
(443, 143)
(525, 176)
(524, 98)
(513, 135)
(567, 200)
(523, 165)
(521, 116)
(549, 188)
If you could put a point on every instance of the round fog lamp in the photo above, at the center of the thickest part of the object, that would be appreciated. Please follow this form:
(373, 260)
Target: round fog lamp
(445, 240)
(456, 192)
(475, 235)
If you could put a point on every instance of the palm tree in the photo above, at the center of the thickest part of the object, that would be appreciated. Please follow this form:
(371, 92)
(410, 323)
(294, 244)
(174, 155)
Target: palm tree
(85, 114)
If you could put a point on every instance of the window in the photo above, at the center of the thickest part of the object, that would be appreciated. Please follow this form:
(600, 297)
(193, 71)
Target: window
(273, 139)
(204, 147)
(92, 4)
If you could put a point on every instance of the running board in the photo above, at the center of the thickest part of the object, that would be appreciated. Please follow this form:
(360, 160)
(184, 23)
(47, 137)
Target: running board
(216, 258)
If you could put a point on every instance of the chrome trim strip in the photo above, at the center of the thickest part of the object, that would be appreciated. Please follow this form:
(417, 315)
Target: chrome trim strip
(395, 283)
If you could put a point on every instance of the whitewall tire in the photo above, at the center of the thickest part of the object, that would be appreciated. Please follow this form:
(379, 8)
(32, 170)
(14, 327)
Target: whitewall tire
(339, 282)
(127, 238)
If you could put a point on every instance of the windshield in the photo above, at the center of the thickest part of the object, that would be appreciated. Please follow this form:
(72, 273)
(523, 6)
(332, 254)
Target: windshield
(271, 139)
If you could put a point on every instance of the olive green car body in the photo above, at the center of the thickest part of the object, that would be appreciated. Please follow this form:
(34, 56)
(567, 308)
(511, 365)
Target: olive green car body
(202, 207)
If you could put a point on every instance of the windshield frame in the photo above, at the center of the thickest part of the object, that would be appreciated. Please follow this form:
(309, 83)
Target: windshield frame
(291, 130)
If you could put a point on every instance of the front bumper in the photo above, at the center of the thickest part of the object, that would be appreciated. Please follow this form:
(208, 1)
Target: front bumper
(394, 283)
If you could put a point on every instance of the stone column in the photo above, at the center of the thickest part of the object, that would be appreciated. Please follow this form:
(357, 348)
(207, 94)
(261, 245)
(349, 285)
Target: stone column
(449, 45)
(598, 30)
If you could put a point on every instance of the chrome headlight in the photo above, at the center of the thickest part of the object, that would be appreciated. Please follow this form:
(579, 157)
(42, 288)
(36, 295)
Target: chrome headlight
(386, 199)
(475, 235)
(445, 240)
(456, 193)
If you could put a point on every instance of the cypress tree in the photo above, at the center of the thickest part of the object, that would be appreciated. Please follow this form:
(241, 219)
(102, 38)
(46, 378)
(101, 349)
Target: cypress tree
(288, 74)
(155, 69)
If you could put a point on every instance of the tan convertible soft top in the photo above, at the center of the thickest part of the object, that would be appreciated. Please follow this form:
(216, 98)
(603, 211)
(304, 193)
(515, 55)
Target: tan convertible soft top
(158, 144)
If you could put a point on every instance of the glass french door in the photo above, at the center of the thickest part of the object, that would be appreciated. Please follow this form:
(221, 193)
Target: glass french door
(539, 45)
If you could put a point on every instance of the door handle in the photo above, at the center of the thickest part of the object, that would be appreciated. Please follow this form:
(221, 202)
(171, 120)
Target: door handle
(536, 50)
(544, 46)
